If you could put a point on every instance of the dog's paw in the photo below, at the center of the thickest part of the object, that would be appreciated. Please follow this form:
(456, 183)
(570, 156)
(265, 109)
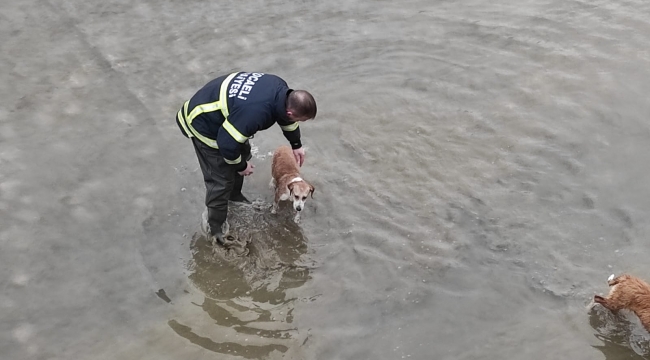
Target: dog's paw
(274, 210)
(610, 278)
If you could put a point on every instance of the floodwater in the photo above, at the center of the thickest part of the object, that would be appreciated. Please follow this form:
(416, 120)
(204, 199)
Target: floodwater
(481, 168)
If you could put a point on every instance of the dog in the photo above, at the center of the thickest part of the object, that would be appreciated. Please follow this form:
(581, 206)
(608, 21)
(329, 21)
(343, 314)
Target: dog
(628, 292)
(287, 182)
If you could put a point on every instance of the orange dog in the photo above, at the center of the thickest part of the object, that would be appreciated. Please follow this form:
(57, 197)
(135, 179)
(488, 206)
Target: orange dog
(628, 292)
(287, 182)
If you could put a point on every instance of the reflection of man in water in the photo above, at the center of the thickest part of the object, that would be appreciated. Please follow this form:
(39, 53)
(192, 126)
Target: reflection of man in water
(253, 296)
(222, 116)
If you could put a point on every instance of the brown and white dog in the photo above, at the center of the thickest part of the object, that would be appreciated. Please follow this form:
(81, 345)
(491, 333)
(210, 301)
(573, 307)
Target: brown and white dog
(287, 182)
(628, 292)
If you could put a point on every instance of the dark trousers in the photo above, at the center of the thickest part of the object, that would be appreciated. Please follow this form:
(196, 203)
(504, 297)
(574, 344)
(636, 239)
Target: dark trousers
(221, 181)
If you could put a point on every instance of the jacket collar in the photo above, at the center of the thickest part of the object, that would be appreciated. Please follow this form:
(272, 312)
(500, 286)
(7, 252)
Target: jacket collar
(281, 104)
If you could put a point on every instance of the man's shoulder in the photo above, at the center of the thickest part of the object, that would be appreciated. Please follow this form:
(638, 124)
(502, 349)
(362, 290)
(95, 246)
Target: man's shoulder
(272, 78)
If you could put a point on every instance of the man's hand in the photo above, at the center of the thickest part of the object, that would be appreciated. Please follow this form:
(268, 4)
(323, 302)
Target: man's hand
(248, 170)
(299, 154)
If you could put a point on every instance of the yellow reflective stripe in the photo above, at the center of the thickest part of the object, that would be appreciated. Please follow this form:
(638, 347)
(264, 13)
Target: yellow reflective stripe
(221, 104)
(233, 162)
(186, 119)
(192, 132)
(203, 108)
(291, 127)
(223, 95)
(206, 140)
(181, 120)
(234, 132)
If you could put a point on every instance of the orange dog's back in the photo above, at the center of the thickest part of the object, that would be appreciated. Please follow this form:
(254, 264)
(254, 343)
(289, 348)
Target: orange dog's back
(628, 292)
(283, 163)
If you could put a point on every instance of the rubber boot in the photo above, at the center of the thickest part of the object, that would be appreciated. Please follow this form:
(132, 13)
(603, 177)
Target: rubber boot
(214, 225)
(236, 195)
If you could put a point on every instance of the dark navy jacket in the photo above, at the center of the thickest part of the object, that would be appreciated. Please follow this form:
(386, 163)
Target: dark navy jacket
(256, 101)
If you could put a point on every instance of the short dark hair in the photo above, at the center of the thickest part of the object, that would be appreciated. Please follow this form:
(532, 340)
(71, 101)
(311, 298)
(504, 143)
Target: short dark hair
(301, 103)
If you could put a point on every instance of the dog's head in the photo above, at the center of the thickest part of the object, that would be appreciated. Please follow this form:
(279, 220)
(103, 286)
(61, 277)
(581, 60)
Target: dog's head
(299, 190)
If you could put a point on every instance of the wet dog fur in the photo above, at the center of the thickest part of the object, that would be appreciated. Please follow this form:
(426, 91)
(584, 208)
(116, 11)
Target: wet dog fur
(287, 182)
(628, 292)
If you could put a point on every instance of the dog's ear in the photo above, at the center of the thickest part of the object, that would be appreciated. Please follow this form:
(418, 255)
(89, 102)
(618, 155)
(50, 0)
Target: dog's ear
(290, 187)
(602, 301)
(311, 190)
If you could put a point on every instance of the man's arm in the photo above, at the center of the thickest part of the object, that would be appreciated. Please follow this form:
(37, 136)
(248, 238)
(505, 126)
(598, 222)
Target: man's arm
(240, 126)
(291, 131)
(230, 142)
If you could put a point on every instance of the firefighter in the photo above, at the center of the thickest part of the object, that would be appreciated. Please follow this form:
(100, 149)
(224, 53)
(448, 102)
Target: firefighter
(221, 118)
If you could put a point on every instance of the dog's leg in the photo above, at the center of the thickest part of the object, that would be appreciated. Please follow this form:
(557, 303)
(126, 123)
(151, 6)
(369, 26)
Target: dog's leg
(600, 300)
(272, 183)
(607, 303)
(274, 209)
(296, 218)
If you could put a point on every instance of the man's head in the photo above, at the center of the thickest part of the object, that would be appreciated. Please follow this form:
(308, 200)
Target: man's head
(301, 106)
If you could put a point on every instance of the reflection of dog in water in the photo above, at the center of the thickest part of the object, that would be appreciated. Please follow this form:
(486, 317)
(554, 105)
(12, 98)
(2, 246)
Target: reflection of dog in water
(630, 293)
(287, 182)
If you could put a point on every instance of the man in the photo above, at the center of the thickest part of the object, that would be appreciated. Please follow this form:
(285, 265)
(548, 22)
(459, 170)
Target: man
(221, 117)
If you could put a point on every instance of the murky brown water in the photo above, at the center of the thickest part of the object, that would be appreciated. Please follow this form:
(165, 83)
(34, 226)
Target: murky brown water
(480, 170)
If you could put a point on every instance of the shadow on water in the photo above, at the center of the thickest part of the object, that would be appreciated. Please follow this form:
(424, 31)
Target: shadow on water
(248, 294)
(622, 334)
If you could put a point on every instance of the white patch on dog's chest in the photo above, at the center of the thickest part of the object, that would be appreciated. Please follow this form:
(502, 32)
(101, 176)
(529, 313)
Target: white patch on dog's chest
(284, 196)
